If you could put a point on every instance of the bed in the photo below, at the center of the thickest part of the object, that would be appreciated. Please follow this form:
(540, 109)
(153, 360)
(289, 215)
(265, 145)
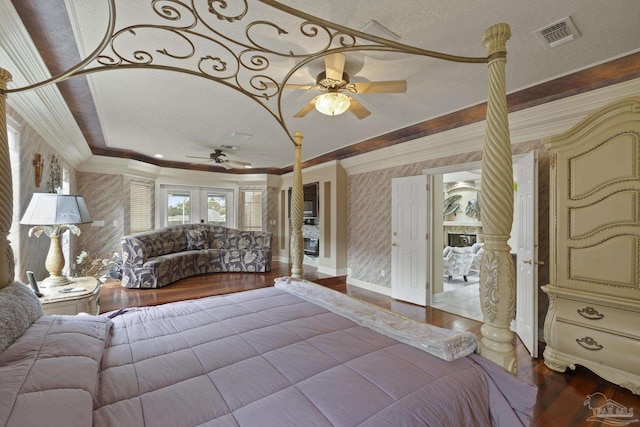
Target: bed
(290, 355)
(279, 356)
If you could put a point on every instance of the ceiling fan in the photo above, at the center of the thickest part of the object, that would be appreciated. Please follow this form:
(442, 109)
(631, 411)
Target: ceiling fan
(334, 81)
(219, 158)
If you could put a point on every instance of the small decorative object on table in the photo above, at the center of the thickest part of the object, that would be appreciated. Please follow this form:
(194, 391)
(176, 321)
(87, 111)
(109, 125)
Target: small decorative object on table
(88, 266)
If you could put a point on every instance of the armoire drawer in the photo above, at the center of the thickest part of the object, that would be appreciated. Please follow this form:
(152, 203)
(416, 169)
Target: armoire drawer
(599, 316)
(599, 347)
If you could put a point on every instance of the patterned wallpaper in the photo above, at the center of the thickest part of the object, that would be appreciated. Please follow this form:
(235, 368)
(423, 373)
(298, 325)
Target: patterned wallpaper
(369, 215)
(30, 252)
(106, 199)
(270, 216)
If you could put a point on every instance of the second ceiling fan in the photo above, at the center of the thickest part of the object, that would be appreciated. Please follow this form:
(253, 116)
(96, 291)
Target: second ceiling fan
(218, 157)
(334, 81)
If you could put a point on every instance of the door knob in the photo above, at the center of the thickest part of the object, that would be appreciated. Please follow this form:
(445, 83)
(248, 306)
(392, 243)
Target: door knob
(394, 244)
(527, 262)
(530, 262)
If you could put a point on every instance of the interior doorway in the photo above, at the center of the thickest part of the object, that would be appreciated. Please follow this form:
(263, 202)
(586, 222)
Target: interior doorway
(457, 224)
(456, 288)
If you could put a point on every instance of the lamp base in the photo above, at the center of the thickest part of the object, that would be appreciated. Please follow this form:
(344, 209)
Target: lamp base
(53, 281)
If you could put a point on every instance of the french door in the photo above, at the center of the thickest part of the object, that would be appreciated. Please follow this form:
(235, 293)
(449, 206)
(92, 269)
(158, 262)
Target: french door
(185, 205)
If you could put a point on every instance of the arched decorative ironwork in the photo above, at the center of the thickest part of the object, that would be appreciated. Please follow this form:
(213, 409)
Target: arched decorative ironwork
(224, 41)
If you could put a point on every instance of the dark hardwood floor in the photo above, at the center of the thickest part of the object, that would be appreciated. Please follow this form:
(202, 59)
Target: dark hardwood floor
(560, 399)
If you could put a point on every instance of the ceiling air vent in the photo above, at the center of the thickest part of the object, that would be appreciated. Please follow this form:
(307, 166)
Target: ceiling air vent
(558, 33)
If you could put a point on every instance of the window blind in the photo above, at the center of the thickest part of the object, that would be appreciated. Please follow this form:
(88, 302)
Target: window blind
(139, 207)
(252, 211)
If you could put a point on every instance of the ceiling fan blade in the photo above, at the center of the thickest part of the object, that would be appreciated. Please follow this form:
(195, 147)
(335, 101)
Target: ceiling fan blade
(358, 109)
(306, 109)
(334, 65)
(225, 164)
(294, 86)
(239, 163)
(304, 87)
(198, 157)
(391, 86)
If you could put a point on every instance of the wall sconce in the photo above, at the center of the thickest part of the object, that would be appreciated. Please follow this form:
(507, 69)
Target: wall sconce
(38, 163)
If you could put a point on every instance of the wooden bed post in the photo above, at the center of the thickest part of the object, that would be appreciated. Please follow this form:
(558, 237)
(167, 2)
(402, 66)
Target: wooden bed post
(497, 274)
(296, 246)
(6, 196)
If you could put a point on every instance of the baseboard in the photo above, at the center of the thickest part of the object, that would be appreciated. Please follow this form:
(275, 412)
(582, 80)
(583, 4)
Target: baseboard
(369, 286)
(282, 259)
(332, 271)
(437, 298)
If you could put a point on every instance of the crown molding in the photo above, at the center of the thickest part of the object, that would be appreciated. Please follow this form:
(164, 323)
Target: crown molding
(43, 109)
(136, 168)
(525, 125)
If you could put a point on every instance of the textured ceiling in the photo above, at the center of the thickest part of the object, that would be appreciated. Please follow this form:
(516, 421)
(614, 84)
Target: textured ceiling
(147, 112)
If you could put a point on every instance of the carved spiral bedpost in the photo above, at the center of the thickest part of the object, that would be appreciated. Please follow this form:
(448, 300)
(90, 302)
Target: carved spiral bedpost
(6, 197)
(297, 208)
(497, 274)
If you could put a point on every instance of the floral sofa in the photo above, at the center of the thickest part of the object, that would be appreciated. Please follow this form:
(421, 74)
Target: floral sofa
(159, 257)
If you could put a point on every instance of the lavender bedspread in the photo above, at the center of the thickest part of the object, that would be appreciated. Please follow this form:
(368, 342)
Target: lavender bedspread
(257, 358)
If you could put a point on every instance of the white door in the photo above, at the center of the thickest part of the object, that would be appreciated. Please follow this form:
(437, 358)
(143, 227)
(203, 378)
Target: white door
(409, 257)
(527, 268)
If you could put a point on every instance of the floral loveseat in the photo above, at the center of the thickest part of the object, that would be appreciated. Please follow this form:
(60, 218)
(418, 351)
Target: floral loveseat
(159, 257)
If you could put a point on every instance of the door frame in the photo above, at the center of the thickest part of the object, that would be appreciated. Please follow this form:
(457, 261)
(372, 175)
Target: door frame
(435, 225)
(437, 252)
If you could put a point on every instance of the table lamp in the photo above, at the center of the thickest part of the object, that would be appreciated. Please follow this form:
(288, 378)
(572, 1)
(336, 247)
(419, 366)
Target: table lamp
(53, 214)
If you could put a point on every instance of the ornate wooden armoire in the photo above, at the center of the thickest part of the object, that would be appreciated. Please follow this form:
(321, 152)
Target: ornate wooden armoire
(594, 291)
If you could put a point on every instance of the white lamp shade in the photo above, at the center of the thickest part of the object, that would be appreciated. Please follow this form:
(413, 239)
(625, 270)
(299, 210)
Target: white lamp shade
(333, 103)
(54, 209)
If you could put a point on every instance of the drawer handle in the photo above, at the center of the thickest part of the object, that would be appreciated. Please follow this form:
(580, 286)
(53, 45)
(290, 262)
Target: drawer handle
(589, 344)
(590, 313)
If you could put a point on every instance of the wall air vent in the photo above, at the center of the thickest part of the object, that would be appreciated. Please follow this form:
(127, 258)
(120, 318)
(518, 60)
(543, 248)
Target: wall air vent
(558, 33)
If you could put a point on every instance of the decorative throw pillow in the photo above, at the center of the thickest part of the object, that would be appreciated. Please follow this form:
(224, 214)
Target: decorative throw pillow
(19, 308)
(197, 240)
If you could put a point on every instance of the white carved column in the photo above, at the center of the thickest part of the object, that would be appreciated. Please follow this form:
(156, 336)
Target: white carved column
(6, 196)
(296, 248)
(497, 273)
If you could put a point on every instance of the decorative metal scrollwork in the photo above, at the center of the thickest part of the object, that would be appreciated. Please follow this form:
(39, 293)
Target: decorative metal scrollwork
(226, 41)
(590, 313)
(589, 344)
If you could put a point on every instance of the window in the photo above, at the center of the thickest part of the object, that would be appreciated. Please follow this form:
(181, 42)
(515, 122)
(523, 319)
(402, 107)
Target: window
(14, 160)
(178, 207)
(217, 209)
(186, 205)
(252, 210)
(139, 207)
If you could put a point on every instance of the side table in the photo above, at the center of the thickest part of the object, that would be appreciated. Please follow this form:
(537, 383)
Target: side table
(81, 295)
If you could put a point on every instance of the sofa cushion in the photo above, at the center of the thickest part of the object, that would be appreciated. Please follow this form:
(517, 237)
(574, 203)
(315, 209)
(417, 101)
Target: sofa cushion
(217, 237)
(197, 240)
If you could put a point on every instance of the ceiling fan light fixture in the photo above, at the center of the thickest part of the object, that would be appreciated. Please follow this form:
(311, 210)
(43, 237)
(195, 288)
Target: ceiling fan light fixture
(333, 103)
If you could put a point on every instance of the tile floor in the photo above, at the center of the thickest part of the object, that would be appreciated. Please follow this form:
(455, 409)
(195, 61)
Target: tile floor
(460, 297)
